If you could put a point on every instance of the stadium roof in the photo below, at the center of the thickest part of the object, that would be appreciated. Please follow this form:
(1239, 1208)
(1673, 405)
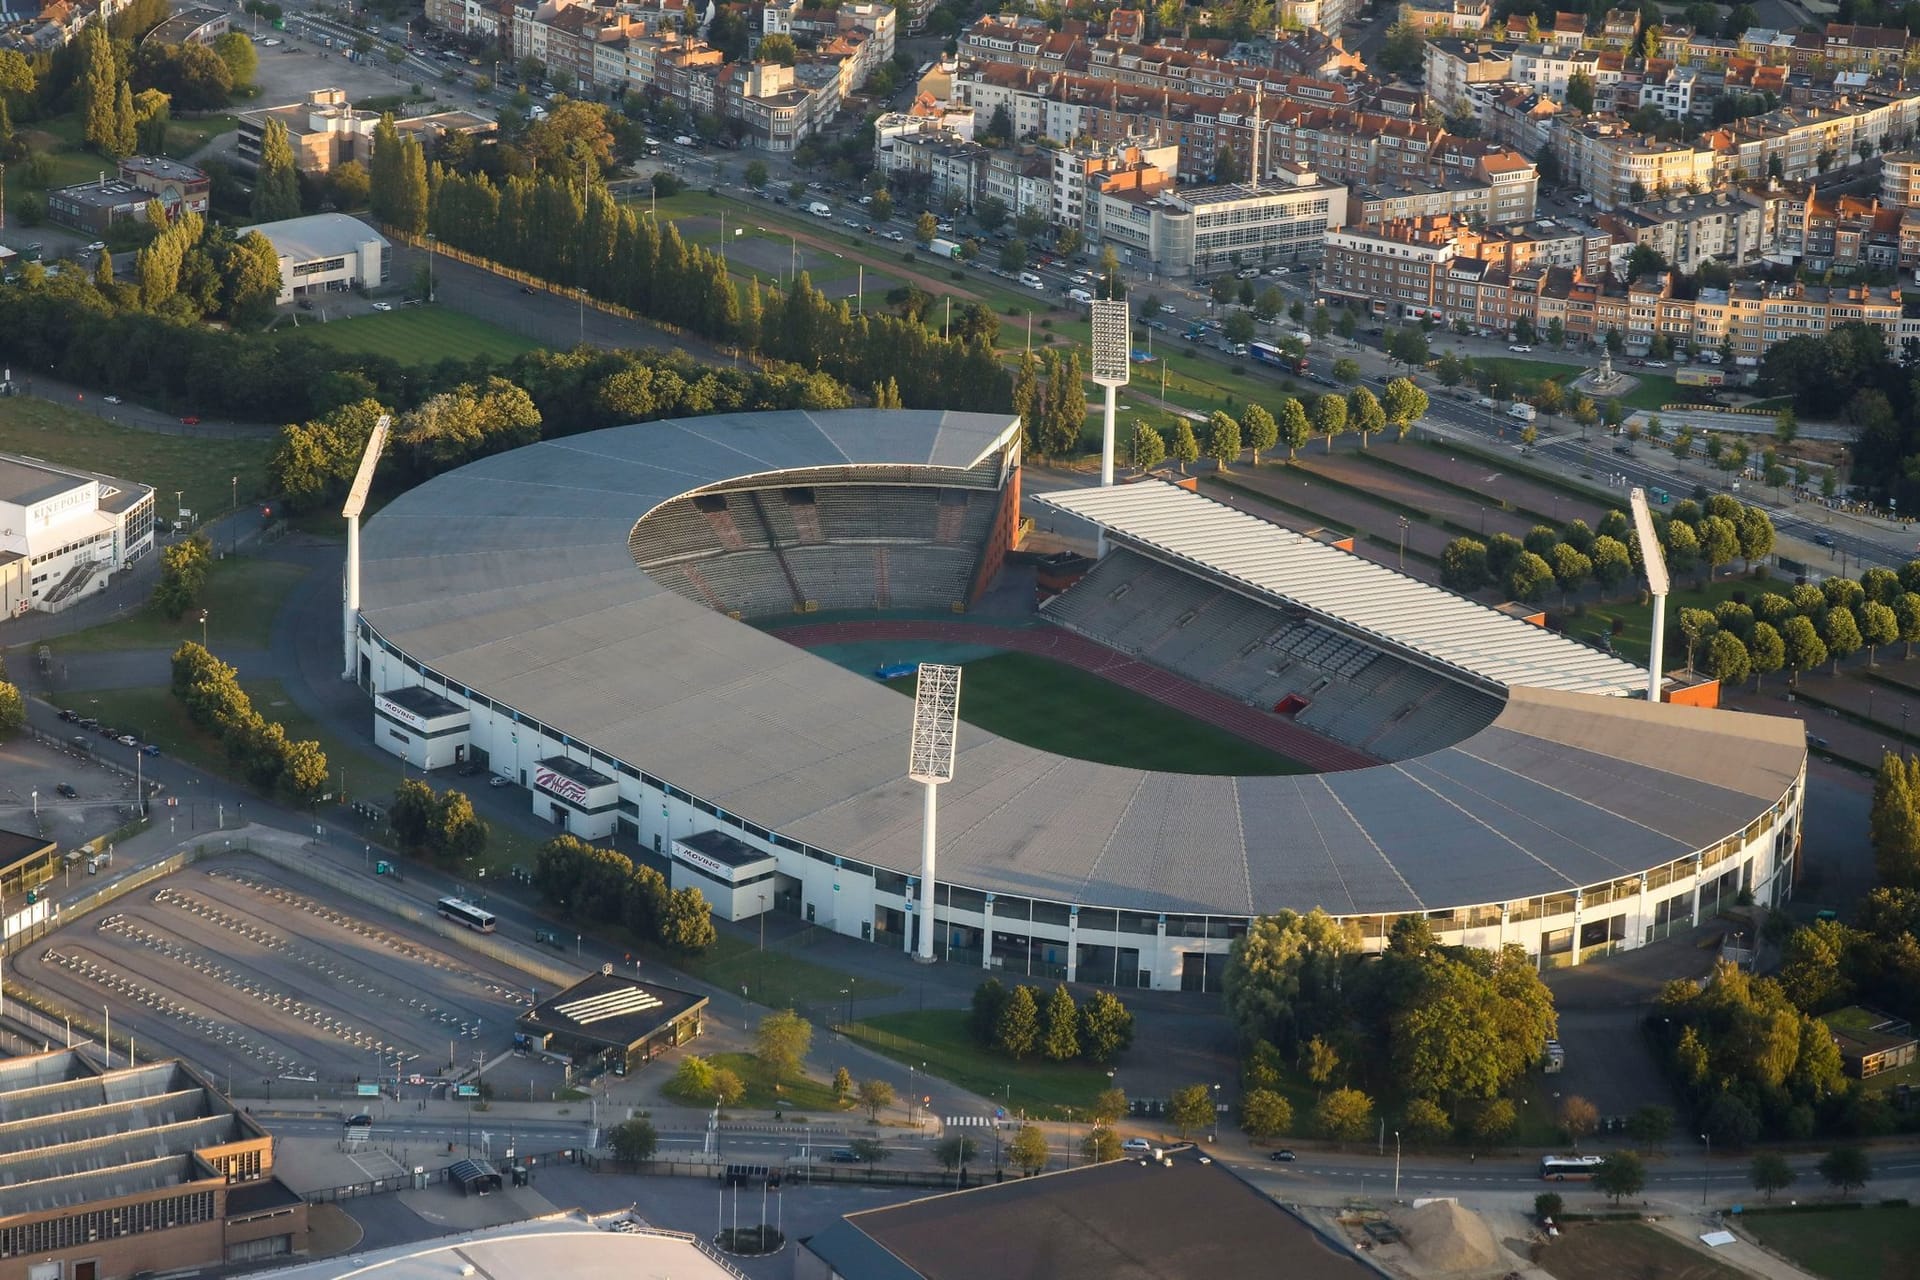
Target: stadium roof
(511, 577)
(1368, 599)
(318, 235)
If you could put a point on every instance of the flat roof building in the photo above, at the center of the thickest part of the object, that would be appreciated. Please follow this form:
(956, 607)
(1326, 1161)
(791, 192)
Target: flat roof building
(617, 1021)
(111, 1173)
(327, 253)
(556, 1246)
(1173, 1219)
(93, 207)
(64, 533)
(199, 24)
(326, 130)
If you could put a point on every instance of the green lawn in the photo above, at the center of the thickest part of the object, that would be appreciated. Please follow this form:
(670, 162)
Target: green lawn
(774, 978)
(938, 1038)
(1637, 619)
(1515, 373)
(199, 468)
(1866, 1244)
(1070, 712)
(419, 335)
(241, 597)
(804, 1094)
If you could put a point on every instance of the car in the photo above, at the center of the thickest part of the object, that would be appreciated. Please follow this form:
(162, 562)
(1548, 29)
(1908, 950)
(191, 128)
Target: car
(96, 246)
(1521, 349)
(1081, 277)
(191, 420)
(150, 750)
(1656, 364)
(383, 306)
(1136, 1146)
(896, 236)
(1166, 310)
(943, 226)
(499, 780)
(683, 140)
(843, 1155)
(1625, 450)
(127, 740)
(67, 789)
(526, 288)
(866, 199)
(1279, 271)
(468, 769)
(1161, 325)
(69, 714)
(1284, 1155)
(361, 1121)
(1824, 539)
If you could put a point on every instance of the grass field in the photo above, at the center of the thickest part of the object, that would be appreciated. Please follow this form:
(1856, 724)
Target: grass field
(1070, 712)
(1616, 1250)
(1867, 1244)
(198, 467)
(777, 979)
(804, 1094)
(938, 1038)
(1636, 619)
(242, 596)
(419, 335)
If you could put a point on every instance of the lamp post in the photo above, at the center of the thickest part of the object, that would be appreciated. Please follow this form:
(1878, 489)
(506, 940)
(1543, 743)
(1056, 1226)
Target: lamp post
(1214, 1136)
(1707, 1176)
(431, 240)
(1903, 731)
(203, 628)
(1396, 1165)
(233, 534)
(1402, 520)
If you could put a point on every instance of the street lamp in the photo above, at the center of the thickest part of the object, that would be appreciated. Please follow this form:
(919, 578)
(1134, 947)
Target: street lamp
(1707, 1176)
(431, 238)
(1396, 1166)
(1215, 1136)
(1403, 542)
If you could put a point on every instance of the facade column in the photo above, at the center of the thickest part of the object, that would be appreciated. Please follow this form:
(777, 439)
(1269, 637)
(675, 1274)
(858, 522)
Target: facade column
(1640, 918)
(1505, 909)
(1163, 965)
(986, 935)
(1579, 906)
(1073, 944)
(906, 934)
(1699, 865)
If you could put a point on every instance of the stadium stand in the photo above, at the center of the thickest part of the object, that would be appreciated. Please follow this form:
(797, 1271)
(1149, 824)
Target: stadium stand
(1269, 658)
(761, 553)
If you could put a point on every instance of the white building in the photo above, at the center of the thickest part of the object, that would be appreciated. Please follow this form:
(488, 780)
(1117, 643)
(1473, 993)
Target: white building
(63, 534)
(327, 253)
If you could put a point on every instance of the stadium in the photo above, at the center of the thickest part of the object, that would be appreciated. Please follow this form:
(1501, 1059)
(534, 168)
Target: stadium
(579, 616)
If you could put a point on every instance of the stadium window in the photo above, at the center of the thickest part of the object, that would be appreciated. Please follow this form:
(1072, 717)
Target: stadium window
(1052, 913)
(885, 881)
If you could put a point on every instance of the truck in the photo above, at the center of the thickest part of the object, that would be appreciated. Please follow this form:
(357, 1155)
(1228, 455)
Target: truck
(1694, 376)
(1522, 412)
(943, 248)
(819, 209)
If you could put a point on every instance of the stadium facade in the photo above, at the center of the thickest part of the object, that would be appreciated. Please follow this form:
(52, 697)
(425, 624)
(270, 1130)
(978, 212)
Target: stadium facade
(572, 615)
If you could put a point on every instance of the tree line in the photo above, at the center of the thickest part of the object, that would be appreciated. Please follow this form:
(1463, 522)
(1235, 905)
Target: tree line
(1294, 423)
(439, 824)
(591, 885)
(255, 746)
(1450, 1029)
(1570, 557)
(563, 225)
(1019, 1024)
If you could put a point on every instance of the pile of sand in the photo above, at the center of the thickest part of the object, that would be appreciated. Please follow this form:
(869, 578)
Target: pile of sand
(1445, 1237)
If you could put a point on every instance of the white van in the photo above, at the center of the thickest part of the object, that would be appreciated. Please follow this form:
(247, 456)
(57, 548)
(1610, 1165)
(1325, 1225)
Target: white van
(1079, 295)
(819, 209)
(1032, 281)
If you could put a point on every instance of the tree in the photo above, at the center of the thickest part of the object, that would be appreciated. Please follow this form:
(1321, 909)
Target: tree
(1186, 447)
(1345, 1115)
(236, 50)
(1650, 1126)
(1770, 1173)
(1284, 977)
(1261, 430)
(1365, 413)
(1223, 438)
(842, 1085)
(1463, 565)
(1426, 1122)
(1803, 646)
(1579, 1118)
(1028, 1151)
(1100, 1145)
(1148, 448)
(183, 572)
(1265, 1114)
(1346, 370)
(1766, 651)
(13, 709)
(99, 81)
(925, 228)
(1061, 1040)
(1727, 659)
(876, 1096)
(1330, 416)
(1191, 1108)
(1571, 568)
(1106, 1031)
(1893, 824)
(1846, 1169)
(1842, 635)
(777, 47)
(1580, 93)
(1296, 430)
(952, 1153)
(869, 1151)
(1529, 578)
(1017, 1032)
(1320, 1061)
(1494, 1120)
(1620, 1174)
(633, 1141)
(276, 188)
(780, 1042)
(1878, 626)
(1406, 404)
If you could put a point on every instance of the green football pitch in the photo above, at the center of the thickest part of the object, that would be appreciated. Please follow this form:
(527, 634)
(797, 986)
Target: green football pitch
(419, 335)
(1069, 712)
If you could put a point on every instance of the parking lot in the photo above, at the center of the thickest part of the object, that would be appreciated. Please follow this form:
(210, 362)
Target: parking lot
(247, 970)
(35, 776)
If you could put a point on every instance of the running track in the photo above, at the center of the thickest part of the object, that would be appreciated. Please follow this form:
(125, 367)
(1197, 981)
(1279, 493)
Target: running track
(1270, 731)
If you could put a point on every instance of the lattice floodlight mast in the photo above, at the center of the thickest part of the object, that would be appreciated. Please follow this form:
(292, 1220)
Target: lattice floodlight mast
(356, 503)
(1654, 561)
(936, 715)
(1112, 366)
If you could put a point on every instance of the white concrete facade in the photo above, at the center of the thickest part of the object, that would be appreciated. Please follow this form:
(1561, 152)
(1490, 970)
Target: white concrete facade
(63, 534)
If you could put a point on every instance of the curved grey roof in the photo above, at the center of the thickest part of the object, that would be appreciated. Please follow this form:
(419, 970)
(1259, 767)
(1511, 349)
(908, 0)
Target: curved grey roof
(511, 576)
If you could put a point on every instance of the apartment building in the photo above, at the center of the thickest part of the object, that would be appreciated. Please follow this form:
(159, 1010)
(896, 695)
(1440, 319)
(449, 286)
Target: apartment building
(1078, 172)
(1900, 178)
(1199, 231)
(1617, 166)
(326, 131)
(1690, 231)
(1447, 17)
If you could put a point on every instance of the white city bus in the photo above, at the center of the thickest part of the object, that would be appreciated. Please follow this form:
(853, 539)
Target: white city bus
(1561, 1168)
(467, 914)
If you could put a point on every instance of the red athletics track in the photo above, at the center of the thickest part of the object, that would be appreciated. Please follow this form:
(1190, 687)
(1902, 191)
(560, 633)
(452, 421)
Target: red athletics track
(1270, 731)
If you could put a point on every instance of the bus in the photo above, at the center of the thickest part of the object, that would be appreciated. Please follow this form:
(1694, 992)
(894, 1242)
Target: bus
(1578, 1168)
(467, 914)
(1267, 353)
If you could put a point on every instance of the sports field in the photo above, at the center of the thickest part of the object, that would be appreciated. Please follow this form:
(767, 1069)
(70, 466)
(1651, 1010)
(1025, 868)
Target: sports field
(1070, 712)
(419, 335)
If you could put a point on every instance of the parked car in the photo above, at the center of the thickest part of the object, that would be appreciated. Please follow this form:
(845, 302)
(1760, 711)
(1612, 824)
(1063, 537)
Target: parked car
(69, 714)
(383, 306)
(1284, 1155)
(843, 1155)
(191, 420)
(127, 740)
(1136, 1146)
(150, 750)
(499, 780)
(1521, 348)
(113, 399)
(67, 789)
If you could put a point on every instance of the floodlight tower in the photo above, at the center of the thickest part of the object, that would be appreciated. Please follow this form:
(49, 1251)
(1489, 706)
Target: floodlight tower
(356, 503)
(936, 707)
(1111, 366)
(1655, 564)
